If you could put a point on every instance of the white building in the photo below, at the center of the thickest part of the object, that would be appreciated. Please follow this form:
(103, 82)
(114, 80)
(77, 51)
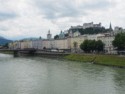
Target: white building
(60, 44)
(94, 36)
(91, 24)
(76, 34)
(118, 30)
(47, 44)
(26, 44)
(76, 27)
(37, 44)
(15, 45)
(11, 45)
(70, 33)
(86, 25)
(107, 40)
(78, 40)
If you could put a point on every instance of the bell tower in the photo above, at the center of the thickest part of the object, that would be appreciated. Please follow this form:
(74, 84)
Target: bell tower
(49, 35)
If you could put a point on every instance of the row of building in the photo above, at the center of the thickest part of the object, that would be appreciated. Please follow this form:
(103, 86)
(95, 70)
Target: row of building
(67, 43)
(64, 43)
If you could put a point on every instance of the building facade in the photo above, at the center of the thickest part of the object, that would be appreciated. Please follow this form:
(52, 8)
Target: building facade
(61, 44)
(26, 44)
(91, 25)
(75, 43)
(37, 44)
(72, 42)
(15, 45)
(76, 34)
(107, 40)
(118, 30)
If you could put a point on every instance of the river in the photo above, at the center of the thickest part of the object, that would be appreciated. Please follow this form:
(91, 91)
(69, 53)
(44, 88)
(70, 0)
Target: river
(37, 75)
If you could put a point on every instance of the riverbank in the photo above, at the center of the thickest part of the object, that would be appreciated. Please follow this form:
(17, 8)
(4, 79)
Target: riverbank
(6, 52)
(108, 60)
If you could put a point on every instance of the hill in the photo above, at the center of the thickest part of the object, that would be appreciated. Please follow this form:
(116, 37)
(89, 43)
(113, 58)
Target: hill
(3, 41)
(91, 30)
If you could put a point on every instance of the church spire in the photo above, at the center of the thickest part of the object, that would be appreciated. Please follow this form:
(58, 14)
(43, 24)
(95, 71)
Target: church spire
(110, 27)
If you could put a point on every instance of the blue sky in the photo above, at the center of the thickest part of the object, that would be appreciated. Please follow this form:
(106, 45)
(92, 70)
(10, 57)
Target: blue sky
(33, 18)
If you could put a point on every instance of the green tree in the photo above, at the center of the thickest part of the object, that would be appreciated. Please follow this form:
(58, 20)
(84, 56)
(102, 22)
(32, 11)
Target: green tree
(119, 41)
(99, 46)
(84, 46)
(56, 37)
(40, 37)
(75, 45)
(92, 45)
(91, 30)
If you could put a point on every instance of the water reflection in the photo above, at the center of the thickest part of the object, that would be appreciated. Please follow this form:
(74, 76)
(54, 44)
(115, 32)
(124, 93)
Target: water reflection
(119, 79)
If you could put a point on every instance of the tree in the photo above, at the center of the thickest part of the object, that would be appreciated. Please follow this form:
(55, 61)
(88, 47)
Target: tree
(40, 37)
(75, 45)
(87, 46)
(56, 37)
(119, 41)
(44, 48)
(92, 45)
(66, 35)
(84, 46)
(90, 30)
(99, 46)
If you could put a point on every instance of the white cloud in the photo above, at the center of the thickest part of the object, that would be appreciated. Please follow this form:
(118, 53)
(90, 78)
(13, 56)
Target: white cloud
(33, 18)
(29, 23)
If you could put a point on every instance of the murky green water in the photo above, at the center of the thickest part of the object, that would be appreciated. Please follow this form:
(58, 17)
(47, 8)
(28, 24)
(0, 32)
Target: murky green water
(36, 75)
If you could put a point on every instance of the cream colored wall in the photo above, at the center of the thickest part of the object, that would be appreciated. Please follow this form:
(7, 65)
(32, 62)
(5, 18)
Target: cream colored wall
(108, 43)
(79, 40)
(30, 45)
(37, 44)
(61, 44)
(69, 43)
(94, 36)
(46, 43)
(14, 45)
(11, 45)
(26, 44)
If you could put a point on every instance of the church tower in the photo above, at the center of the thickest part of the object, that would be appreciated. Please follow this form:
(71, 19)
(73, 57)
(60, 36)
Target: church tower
(110, 27)
(49, 35)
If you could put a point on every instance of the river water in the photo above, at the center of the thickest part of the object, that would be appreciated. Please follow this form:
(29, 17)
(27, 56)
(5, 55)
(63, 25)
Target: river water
(37, 75)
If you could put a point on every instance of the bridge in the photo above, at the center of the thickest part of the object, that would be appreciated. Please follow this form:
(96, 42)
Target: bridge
(32, 51)
(17, 51)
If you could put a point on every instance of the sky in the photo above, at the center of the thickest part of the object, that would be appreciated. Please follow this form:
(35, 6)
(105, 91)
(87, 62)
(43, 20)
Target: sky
(33, 18)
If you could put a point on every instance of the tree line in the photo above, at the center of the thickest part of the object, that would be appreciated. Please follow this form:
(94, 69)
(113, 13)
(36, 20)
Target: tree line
(90, 46)
(91, 30)
(119, 41)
